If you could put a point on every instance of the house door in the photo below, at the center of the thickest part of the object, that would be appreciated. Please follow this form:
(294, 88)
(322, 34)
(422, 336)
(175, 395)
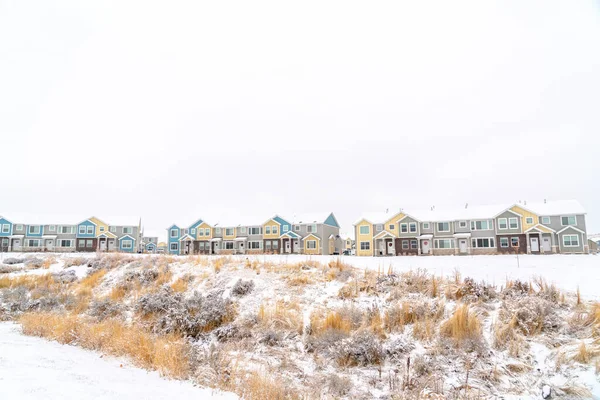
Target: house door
(462, 245)
(381, 248)
(535, 244)
(390, 248)
(425, 247)
(546, 244)
(49, 244)
(111, 245)
(102, 244)
(16, 244)
(288, 246)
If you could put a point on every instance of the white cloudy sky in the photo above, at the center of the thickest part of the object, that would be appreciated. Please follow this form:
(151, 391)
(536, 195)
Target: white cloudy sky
(177, 110)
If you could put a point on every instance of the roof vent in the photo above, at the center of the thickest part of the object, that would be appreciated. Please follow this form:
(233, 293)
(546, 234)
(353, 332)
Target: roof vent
(544, 201)
(466, 206)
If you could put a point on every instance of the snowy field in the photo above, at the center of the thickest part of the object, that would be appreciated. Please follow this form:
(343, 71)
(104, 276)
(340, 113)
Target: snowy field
(567, 272)
(34, 368)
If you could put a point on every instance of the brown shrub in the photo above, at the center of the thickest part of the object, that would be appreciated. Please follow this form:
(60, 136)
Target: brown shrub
(462, 325)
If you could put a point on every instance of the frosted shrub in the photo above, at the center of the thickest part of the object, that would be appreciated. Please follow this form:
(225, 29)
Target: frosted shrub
(12, 261)
(104, 308)
(531, 315)
(362, 349)
(65, 276)
(242, 288)
(15, 299)
(7, 269)
(338, 386)
(75, 262)
(270, 338)
(396, 349)
(324, 342)
(34, 263)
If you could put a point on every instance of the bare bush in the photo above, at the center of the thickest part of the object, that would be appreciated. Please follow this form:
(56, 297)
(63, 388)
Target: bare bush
(338, 386)
(7, 269)
(104, 308)
(34, 263)
(12, 261)
(65, 276)
(362, 349)
(530, 315)
(242, 288)
(75, 261)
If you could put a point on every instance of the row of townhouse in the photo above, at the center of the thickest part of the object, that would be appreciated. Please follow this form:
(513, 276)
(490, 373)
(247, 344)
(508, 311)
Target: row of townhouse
(534, 228)
(318, 234)
(89, 235)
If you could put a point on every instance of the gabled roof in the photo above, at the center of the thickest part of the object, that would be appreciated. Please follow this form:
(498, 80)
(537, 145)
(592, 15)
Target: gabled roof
(570, 227)
(108, 235)
(311, 235)
(186, 238)
(508, 210)
(291, 234)
(126, 236)
(555, 207)
(383, 233)
(87, 220)
(317, 218)
(195, 224)
(277, 219)
(540, 228)
(1, 217)
(375, 217)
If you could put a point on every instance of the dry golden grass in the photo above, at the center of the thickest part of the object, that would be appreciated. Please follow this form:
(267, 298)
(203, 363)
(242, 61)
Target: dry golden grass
(321, 322)
(29, 282)
(300, 280)
(281, 315)
(48, 262)
(91, 281)
(219, 263)
(263, 386)
(506, 336)
(118, 293)
(166, 354)
(583, 355)
(164, 277)
(424, 330)
(180, 285)
(462, 325)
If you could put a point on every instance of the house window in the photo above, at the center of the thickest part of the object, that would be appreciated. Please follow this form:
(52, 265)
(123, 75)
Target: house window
(425, 225)
(504, 242)
(193, 231)
(443, 227)
(228, 245)
(173, 233)
(444, 243)
(412, 227)
(403, 228)
(217, 231)
(413, 244)
(89, 243)
(364, 230)
(502, 223)
(514, 241)
(19, 227)
(52, 228)
(82, 230)
(285, 228)
(64, 243)
(128, 230)
(462, 224)
(201, 232)
(101, 229)
(297, 228)
(243, 230)
(174, 246)
(571, 240)
(206, 231)
(275, 245)
(392, 227)
(127, 244)
(365, 245)
(311, 244)
(90, 229)
(274, 230)
(513, 223)
(482, 225)
(572, 220)
(230, 232)
(254, 245)
(268, 245)
(483, 243)
(378, 227)
(81, 243)
(267, 230)
(529, 220)
(5, 228)
(545, 220)
(255, 231)
(405, 245)
(34, 243)
(34, 229)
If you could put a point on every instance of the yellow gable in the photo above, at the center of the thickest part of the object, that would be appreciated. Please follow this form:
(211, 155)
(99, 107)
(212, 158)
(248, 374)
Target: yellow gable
(367, 237)
(204, 226)
(271, 224)
(526, 214)
(394, 221)
(101, 227)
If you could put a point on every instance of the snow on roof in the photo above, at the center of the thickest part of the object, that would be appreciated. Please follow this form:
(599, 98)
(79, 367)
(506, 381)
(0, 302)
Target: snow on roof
(314, 218)
(375, 217)
(555, 207)
(347, 235)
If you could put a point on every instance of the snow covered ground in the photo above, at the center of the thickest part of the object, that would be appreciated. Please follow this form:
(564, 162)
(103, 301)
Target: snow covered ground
(34, 368)
(567, 272)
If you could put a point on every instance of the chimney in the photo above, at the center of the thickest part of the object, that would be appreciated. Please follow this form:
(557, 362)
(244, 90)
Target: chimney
(466, 205)
(525, 202)
(544, 201)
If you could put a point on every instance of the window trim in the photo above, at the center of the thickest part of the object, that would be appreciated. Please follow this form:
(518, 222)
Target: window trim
(5, 228)
(545, 218)
(412, 225)
(510, 220)
(443, 222)
(368, 230)
(570, 235)
(404, 227)
(176, 231)
(527, 219)
(436, 243)
(490, 225)
(507, 242)
(518, 241)
(568, 216)
(462, 224)
(129, 244)
(366, 247)
(426, 225)
(491, 243)
(174, 246)
(500, 220)
(308, 242)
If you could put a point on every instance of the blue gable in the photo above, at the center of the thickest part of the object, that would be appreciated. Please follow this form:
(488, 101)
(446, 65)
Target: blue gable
(34, 231)
(83, 230)
(195, 226)
(331, 221)
(173, 239)
(129, 240)
(5, 227)
(282, 222)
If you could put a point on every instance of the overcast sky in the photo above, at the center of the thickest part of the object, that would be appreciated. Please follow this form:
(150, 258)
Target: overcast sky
(172, 111)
